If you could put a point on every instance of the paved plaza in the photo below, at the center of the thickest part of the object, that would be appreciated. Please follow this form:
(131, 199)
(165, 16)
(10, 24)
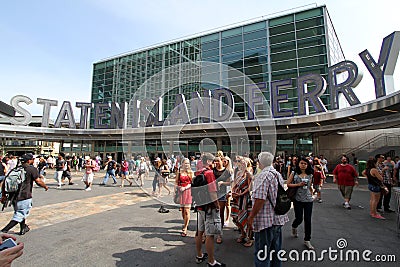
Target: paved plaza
(113, 226)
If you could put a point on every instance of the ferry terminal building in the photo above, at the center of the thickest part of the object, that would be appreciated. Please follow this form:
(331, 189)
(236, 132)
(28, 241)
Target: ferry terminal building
(266, 51)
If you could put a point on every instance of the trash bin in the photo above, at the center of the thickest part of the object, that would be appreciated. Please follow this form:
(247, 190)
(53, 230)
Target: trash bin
(361, 166)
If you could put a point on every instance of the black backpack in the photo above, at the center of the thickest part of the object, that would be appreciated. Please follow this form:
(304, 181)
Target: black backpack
(200, 193)
(283, 202)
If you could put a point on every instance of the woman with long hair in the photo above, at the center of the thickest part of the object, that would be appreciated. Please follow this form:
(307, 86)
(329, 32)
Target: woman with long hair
(183, 181)
(157, 174)
(375, 179)
(163, 178)
(227, 162)
(223, 178)
(303, 203)
(125, 173)
(241, 205)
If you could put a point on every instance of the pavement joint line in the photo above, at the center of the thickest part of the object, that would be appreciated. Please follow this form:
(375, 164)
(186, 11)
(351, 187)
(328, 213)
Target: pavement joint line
(51, 214)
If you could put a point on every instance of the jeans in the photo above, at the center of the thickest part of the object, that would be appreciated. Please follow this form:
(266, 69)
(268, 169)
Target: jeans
(266, 241)
(386, 199)
(155, 182)
(108, 173)
(299, 208)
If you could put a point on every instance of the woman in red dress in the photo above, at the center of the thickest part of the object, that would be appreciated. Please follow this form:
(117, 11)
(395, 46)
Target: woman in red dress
(183, 182)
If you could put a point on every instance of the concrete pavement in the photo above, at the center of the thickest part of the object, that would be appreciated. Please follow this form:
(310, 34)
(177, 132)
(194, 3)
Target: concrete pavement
(113, 226)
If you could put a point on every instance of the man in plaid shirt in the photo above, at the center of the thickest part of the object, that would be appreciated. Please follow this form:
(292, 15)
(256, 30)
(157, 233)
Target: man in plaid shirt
(267, 226)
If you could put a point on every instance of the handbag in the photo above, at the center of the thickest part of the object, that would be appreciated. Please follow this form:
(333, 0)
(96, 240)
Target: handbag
(177, 196)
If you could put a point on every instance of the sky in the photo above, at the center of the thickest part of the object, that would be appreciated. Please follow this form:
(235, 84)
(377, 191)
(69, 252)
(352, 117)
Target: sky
(48, 47)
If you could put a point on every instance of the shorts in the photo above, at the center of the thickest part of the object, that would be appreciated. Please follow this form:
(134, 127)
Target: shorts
(21, 209)
(163, 180)
(210, 226)
(126, 173)
(317, 188)
(346, 190)
(374, 188)
(88, 177)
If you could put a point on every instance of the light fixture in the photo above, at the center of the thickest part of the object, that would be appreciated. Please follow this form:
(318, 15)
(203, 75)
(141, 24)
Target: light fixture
(350, 118)
(257, 128)
(287, 126)
(340, 133)
(318, 123)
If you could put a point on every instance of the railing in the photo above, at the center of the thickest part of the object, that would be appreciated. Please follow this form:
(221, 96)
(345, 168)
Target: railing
(379, 141)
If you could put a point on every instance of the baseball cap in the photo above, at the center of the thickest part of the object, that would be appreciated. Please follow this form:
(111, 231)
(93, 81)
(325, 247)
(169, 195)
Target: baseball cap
(109, 157)
(87, 157)
(157, 159)
(26, 157)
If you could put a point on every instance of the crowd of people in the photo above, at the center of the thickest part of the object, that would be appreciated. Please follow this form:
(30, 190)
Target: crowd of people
(243, 191)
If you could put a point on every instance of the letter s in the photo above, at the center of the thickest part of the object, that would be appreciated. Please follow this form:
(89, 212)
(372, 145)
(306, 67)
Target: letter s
(26, 116)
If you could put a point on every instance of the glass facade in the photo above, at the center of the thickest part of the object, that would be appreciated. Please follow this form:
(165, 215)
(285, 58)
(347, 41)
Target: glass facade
(273, 49)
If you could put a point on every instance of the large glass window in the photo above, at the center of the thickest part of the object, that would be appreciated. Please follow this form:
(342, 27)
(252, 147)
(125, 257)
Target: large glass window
(255, 43)
(254, 35)
(282, 38)
(281, 29)
(231, 40)
(281, 20)
(232, 48)
(283, 56)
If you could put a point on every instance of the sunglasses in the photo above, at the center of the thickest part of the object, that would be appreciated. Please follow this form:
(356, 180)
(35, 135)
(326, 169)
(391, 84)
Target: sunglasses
(238, 160)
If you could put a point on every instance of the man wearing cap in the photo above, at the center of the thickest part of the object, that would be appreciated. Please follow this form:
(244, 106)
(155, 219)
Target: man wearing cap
(23, 202)
(111, 166)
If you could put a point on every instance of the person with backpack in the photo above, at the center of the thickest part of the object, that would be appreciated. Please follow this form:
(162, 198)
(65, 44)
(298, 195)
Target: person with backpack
(111, 165)
(263, 220)
(21, 199)
(207, 212)
(303, 204)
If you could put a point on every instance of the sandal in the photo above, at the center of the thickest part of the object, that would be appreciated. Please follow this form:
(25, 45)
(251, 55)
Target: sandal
(219, 240)
(183, 234)
(241, 239)
(249, 243)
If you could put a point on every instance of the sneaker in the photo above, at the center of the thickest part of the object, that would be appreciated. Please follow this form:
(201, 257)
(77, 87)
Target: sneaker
(102, 184)
(378, 216)
(201, 259)
(58, 187)
(88, 189)
(308, 245)
(347, 206)
(319, 200)
(25, 230)
(216, 264)
(70, 183)
(294, 232)
(115, 183)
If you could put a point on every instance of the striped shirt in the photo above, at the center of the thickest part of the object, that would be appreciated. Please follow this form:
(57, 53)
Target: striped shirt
(266, 188)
